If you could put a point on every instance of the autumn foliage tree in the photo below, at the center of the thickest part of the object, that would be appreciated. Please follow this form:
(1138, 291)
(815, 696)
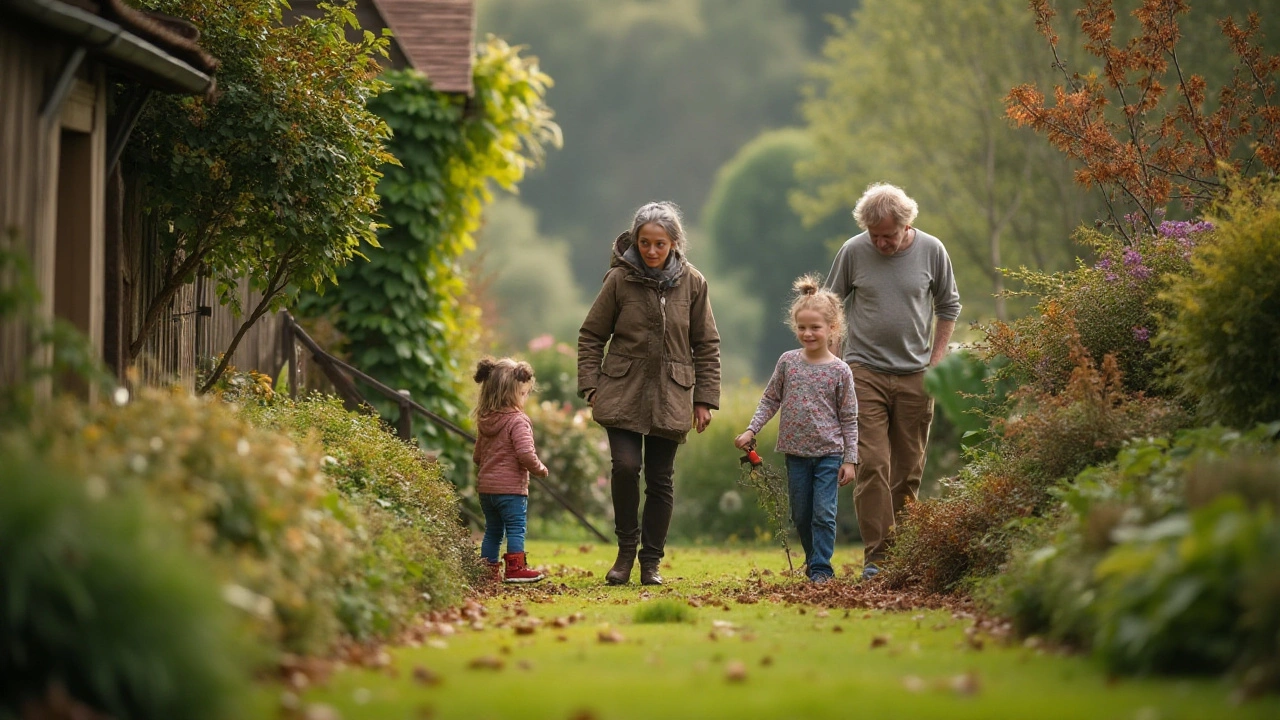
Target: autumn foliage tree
(1145, 130)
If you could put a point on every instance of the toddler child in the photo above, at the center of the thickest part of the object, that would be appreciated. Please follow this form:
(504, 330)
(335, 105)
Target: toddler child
(818, 426)
(504, 457)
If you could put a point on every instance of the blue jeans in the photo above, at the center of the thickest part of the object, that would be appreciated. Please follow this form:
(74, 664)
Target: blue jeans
(814, 484)
(503, 513)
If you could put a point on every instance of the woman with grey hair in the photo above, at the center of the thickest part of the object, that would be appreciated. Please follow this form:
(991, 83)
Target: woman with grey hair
(659, 378)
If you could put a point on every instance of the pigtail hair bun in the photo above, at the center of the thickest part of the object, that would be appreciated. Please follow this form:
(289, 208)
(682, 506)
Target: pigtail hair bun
(524, 372)
(484, 369)
(806, 285)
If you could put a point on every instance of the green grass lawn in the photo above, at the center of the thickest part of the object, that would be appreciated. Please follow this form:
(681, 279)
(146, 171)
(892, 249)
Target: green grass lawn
(759, 660)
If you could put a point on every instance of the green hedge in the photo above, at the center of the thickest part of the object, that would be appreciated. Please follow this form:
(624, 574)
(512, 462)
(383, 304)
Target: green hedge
(1163, 561)
(103, 601)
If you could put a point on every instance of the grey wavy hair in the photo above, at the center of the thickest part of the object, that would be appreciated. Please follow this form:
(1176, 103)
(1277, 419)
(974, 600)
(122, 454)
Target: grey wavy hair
(883, 201)
(667, 216)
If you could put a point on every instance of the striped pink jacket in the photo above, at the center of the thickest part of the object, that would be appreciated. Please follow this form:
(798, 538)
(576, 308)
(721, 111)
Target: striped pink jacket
(505, 455)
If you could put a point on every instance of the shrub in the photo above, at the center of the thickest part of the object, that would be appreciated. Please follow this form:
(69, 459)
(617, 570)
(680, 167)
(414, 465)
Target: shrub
(1162, 561)
(253, 500)
(555, 365)
(709, 503)
(1223, 335)
(101, 604)
(576, 452)
(941, 541)
(417, 548)
(1113, 307)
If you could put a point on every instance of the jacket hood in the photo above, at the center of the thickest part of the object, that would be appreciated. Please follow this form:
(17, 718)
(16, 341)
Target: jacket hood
(626, 255)
(496, 422)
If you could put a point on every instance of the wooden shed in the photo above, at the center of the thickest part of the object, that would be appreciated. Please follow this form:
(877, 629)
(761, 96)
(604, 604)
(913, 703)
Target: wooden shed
(61, 139)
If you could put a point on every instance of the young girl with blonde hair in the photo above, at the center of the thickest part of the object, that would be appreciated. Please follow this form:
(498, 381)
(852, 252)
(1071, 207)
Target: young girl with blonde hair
(504, 456)
(818, 426)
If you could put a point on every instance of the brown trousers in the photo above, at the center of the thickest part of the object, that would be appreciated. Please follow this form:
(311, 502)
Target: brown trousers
(894, 413)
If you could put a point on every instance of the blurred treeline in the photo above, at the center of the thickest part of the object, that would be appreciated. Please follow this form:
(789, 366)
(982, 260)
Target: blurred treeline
(764, 120)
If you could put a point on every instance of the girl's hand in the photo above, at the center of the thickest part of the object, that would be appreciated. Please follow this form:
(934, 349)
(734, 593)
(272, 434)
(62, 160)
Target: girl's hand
(847, 472)
(743, 441)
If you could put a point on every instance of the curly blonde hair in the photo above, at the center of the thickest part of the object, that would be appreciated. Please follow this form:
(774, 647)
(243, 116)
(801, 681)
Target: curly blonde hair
(501, 381)
(883, 201)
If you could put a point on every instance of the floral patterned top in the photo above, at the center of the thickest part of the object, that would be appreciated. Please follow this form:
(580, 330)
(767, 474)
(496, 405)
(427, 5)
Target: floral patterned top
(819, 409)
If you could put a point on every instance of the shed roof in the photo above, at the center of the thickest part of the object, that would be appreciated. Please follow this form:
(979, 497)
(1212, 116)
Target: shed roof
(436, 38)
(433, 36)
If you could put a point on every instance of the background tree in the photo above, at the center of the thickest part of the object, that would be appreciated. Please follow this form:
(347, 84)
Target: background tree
(911, 92)
(653, 95)
(404, 313)
(275, 181)
(755, 236)
(1144, 128)
(527, 276)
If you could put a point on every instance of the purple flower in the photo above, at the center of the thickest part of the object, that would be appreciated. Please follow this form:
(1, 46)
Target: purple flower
(1103, 264)
(1182, 230)
(1132, 257)
(1141, 334)
(1141, 272)
(1109, 277)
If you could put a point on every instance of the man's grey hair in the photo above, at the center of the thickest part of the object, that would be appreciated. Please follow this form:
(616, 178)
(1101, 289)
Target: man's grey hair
(666, 215)
(883, 201)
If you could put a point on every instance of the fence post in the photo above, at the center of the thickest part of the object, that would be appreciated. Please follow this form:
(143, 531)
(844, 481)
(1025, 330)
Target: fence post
(404, 423)
(290, 352)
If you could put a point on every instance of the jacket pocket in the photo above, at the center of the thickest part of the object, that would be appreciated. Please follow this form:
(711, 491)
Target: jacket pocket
(615, 366)
(617, 392)
(677, 399)
(682, 374)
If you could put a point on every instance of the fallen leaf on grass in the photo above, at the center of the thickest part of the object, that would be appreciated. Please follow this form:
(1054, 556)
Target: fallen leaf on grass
(320, 711)
(610, 636)
(837, 629)
(487, 662)
(913, 684)
(879, 641)
(584, 549)
(560, 622)
(425, 676)
(583, 714)
(822, 614)
(766, 661)
(966, 684)
(735, 671)
(526, 629)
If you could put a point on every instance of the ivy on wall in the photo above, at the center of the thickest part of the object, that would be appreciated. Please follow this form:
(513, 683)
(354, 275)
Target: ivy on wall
(404, 314)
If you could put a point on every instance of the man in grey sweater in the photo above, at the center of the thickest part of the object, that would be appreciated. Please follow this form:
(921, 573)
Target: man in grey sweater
(898, 286)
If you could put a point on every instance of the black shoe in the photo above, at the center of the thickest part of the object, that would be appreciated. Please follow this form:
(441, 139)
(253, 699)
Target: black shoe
(620, 573)
(649, 573)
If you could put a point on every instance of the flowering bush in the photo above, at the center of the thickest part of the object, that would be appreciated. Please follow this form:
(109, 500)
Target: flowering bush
(101, 609)
(1115, 306)
(319, 521)
(555, 365)
(576, 452)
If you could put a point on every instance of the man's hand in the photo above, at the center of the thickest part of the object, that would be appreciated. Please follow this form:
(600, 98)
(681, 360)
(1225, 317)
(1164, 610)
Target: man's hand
(701, 416)
(589, 395)
(847, 472)
(743, 441)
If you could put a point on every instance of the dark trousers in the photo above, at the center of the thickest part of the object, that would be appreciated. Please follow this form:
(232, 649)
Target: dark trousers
(631, 451)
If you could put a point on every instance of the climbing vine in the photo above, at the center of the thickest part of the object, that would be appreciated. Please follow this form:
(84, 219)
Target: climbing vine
(403, 313)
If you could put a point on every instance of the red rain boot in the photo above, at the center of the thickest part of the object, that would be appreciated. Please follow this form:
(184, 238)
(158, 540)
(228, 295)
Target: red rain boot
(517, 571)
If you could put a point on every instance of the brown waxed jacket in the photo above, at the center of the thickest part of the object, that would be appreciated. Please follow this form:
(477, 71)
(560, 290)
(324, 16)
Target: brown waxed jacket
(663, 347)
